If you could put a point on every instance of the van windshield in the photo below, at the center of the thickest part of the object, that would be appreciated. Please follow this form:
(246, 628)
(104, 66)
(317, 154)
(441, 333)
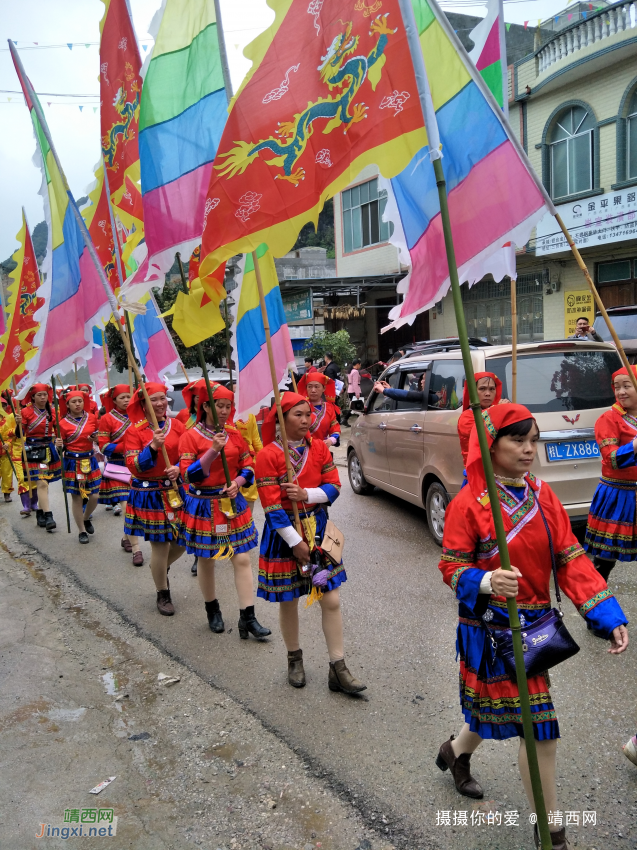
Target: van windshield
(625, 325)
(549, 383)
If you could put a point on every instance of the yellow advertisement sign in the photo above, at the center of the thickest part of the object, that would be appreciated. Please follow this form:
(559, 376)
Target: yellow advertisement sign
(577, 302)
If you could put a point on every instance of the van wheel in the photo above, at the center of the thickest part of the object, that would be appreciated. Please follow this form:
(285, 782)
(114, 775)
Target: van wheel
(356, 478)
(435, 507)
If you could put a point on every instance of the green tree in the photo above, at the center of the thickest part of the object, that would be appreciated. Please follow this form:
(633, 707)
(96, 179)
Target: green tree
(323, 236)
(338, 344)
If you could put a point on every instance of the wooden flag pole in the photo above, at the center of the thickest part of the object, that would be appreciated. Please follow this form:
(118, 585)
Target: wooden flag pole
(77, 383)
(57, 431)
(291, 371)
(589, 280)
(433, 136)
(184, 371)
(206, 377)
(108, 377)
(275, 388)
(514, 341)
(22, 439)
(228, 348)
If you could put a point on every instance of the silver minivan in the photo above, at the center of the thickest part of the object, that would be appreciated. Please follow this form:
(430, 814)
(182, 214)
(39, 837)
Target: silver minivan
(412, 449)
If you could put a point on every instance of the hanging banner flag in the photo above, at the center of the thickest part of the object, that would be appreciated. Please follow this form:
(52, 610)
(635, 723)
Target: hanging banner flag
(120, 95)
(329, 92)
(249, 352)
(196, 316)
(74, 295)
(183, 112)
(489, 54)
(23, 301)
(481, 159)
(98, 222)
(153, 343)
(96, 365)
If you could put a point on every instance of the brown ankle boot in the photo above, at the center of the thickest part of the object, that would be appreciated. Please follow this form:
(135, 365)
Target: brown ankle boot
(558, 839)
(340, 679)
(460, 770)
(164, 603)
(296, 672)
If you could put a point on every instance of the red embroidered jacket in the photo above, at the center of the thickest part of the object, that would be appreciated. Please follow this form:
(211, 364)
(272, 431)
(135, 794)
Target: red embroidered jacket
(196, 441)
(470, 549)
(77, 433)
(615, 431)
(141, 460)
(112, 431)
(36, 424)
(325, 424)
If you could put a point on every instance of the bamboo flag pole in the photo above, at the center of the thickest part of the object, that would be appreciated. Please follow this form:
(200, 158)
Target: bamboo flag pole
(589, 280)
(108, 377)
(57, 431)
(22, 439)
(293, 380)
(204, 371)
(110, 297)
(514, 341)
(228, 349)
(433, 137)
(77, 383)
(275, 388)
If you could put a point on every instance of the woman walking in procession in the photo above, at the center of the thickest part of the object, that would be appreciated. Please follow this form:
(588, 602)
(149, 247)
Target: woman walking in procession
(188, 417)
(284, 550)
(470, 565)
(320, 391)
(151, 511)
(38, 426)
(210, 528)
(489, 388)
(114, 489)
(78, 430)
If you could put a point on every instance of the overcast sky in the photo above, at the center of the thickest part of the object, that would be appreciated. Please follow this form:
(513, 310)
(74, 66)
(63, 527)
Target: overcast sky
(63, 71)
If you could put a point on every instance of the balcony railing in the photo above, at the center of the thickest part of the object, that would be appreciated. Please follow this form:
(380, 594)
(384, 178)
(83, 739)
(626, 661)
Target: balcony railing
(599, 26)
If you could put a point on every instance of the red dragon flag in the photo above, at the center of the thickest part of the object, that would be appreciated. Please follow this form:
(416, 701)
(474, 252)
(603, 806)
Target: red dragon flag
(120, 94)
(331, 90)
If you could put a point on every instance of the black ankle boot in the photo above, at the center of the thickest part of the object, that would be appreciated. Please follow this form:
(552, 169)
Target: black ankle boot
(215, 620)
(604, 566)
(39, 515)
(249, 623)
(50, 522)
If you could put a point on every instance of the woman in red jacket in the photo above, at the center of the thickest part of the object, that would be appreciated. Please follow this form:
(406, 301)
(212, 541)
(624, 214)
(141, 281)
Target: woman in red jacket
(489, 388)
(190, 393)
(210, 529)
(470, 565)
(285, 572)
(153, 510)
(78, 430)
(113, 426)
(38, 425)
(321, 393)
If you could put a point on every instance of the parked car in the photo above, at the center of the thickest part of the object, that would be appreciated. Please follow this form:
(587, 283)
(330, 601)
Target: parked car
(413, 451)
(624, 321)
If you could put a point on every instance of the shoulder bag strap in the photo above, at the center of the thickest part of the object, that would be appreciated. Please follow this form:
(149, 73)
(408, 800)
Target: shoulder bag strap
(553, 564)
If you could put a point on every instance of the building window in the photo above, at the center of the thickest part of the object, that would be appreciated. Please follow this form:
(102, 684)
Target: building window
(487, 308)
(631, 140)
(363, 208)
(571, 152)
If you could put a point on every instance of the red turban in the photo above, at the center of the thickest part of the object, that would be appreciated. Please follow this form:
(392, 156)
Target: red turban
(320, 378)
(288, 401)
(191, 390)
(40, 388)
(109, 398)
(135, 410)
(495, 418)
(623, 371)
(218, 391)
(66, 396)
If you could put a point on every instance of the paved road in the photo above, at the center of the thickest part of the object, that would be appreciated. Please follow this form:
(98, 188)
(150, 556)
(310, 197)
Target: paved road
(378, 750)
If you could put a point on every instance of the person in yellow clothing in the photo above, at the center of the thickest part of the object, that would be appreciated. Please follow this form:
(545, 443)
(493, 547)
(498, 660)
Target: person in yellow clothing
(250, 432)
(11, 452)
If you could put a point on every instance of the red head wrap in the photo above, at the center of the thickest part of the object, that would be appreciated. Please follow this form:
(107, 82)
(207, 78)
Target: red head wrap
(40, 388)
(288, 401)
(623, 371)
(67, 395)
(191, 390)
(498, 388)
(108, 399)
(328, 383)
(135, 410)
(495, 418)
(218, 391)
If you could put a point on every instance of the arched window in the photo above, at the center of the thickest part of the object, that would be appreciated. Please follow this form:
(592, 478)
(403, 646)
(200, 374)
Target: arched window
(571, 152)
(631, 137)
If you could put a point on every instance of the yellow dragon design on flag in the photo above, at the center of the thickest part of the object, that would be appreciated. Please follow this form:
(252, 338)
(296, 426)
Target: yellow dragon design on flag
(338, 67)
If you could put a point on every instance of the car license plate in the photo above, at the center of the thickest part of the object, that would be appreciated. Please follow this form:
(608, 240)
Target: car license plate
(572, 450)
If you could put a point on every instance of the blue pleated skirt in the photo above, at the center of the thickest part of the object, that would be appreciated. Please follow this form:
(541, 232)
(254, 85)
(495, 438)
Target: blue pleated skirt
(611, 530)
(150, 515)
(206, 531)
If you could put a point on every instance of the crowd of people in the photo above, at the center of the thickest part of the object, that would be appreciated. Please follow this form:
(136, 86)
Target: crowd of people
(189, 484)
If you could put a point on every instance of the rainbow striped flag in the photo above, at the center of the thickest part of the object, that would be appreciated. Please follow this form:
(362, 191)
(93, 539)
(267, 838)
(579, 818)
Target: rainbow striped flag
(489, 53)
(249, 352)
(494, 195)
(75, 297)
(331, 90)
(183, 113)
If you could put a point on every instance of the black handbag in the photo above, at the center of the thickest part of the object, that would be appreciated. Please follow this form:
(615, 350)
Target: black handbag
(546, 642)
(36, 454)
